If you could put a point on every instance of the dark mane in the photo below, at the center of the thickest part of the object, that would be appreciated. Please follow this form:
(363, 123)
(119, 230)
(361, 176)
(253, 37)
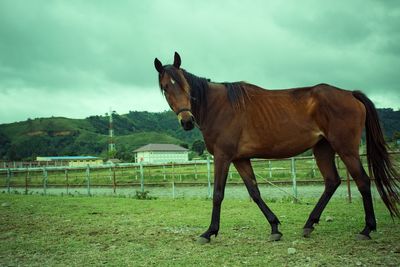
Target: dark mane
(236, 92)
(198, 93)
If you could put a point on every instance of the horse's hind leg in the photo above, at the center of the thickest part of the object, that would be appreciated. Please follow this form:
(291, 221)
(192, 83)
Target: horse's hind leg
(246, 172)
(346, 145)
(325, 158)
(355, 168)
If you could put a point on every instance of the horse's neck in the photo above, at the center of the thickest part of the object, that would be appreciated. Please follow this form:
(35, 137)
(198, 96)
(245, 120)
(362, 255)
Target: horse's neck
(216, 104)
(216, 95)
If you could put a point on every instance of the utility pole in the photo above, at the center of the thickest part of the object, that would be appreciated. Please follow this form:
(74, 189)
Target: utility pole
(111, 144)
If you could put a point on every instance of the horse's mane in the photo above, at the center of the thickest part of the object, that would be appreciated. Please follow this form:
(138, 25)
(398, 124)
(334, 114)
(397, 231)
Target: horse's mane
(236, 92)
(198, 94)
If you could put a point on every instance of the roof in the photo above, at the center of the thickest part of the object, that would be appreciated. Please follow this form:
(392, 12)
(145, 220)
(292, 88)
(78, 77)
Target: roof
(53, 158)
(161, 147)
(113, 161)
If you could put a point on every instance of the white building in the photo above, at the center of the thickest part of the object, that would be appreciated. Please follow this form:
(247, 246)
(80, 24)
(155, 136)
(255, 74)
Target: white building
(73, 161)
(161, 153)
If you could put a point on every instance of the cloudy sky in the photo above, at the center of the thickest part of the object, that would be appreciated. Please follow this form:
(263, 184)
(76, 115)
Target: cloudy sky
(79, 58)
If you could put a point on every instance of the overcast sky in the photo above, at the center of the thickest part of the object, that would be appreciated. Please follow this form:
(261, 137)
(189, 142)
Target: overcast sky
(79, 58)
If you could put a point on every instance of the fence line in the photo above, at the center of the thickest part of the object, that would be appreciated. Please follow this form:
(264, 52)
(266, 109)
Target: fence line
(294, 171)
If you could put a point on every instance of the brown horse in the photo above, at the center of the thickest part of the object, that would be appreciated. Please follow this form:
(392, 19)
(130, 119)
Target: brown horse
(240, 121)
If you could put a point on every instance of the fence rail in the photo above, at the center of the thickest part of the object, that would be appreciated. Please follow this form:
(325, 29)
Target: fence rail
(292, 172)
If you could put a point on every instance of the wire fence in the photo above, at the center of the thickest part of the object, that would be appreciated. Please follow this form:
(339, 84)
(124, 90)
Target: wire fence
(292, 178)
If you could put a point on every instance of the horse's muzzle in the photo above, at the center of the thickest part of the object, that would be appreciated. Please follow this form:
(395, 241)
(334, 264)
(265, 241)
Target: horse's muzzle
(186, 119)
(188, 124)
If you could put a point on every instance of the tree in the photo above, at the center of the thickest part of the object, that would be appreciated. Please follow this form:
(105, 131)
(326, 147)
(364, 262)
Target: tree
(396, 136)
(5, 144)
(184, 145)
(396, 139)
(123, 153)
(198, 146)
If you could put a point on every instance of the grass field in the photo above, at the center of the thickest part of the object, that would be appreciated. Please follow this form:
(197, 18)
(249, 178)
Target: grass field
(80, 231)
(236, 191)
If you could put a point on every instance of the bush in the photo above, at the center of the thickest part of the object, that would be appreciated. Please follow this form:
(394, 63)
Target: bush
(143, 195)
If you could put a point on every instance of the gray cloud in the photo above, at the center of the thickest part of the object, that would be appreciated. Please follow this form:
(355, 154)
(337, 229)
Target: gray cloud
(55, 49)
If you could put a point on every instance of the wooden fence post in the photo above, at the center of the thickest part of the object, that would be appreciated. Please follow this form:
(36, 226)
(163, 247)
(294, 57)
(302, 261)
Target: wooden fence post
(173, 189)
(26, 181)
(173, 171)
(195, 170)
(45, 177)
(113, 180)
(313, 167)
(8, 180)
(88, 179)
(209, 176)
(294, 179)
(165, 176)
(270, 169)
(348, 185)
(66, 179)
(141, 177)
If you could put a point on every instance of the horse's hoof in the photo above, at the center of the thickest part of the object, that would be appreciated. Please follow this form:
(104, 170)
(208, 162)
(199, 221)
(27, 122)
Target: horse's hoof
(363, 237)
(275, 237)
(202, 240)
(307, 232)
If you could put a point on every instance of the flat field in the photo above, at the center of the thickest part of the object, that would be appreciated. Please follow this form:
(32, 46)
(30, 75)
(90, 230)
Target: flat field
(114, 231)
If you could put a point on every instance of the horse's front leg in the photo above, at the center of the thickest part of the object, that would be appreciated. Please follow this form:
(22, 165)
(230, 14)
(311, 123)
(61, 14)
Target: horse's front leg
(221, 168)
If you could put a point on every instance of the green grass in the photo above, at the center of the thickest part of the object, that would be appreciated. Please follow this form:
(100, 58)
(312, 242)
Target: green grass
(81, 231)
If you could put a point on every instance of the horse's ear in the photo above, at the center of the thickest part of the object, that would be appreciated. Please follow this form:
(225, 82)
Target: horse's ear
(158, 65)
(177, 60)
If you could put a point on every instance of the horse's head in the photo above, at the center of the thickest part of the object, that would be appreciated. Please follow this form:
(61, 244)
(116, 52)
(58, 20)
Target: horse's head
(176, 90)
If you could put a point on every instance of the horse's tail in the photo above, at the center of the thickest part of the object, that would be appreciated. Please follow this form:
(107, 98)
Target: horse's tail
(379, 164)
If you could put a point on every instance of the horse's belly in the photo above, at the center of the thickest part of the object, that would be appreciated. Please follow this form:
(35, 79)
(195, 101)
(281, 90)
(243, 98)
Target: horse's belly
(278, 146)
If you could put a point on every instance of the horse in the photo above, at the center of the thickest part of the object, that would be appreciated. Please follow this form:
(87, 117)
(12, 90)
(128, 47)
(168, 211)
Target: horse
(240, 121)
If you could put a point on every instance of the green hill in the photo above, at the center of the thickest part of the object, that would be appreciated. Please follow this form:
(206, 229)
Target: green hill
(57, 136)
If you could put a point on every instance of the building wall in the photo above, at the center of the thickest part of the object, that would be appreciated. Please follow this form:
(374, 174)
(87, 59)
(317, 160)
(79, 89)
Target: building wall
(85, 162)
(161, 156)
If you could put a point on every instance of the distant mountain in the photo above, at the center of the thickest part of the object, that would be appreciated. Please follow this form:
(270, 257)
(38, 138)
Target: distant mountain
(57, 136)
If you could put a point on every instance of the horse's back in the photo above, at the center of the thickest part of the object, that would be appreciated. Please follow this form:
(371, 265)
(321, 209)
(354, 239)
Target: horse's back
(282, 123)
